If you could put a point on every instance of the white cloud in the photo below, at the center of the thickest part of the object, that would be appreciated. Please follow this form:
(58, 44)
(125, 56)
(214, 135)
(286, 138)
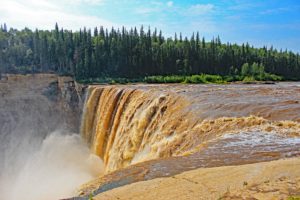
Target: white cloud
(91, 2)
(170, 3)
(275, 11)
(156, 3)
(144, 10)
(243, 6)
(154, 7)
(44, 14)
(204, 26)
(200, 9)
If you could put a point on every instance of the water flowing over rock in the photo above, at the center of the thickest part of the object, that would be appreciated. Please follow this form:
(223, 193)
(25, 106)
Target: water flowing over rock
(125, 125)
(135, 133)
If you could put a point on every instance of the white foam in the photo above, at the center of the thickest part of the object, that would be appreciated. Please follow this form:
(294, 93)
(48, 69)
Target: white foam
(54, 171)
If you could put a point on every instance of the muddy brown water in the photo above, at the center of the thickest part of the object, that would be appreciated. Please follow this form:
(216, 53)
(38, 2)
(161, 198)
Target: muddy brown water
(142, 132)
(162, 130)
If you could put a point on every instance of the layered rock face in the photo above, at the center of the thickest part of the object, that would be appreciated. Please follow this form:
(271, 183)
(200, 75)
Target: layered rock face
(38, 114)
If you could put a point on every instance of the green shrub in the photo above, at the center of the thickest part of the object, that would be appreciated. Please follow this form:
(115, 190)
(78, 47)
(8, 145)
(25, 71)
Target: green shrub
(249, 79)
(256, 73)
(202, 78)
(294, 198)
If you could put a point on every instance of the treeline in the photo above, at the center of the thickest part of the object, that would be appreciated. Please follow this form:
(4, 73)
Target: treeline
(133, 53)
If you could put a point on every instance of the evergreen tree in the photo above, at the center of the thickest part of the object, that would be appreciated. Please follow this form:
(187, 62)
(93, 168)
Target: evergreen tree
(133, 53)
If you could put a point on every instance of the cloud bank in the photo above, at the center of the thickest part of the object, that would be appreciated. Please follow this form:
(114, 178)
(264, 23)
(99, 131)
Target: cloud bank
(44, 14)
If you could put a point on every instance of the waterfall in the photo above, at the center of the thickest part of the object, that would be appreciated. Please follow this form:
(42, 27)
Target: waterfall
(127, 125)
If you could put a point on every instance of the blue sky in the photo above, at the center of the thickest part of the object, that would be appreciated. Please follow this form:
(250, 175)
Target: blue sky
(269, 22)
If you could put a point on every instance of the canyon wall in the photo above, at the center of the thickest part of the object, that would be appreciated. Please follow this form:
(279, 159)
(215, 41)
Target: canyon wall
(42, 156)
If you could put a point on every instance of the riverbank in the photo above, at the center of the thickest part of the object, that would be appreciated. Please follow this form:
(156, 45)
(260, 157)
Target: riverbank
(186, 79)
(266, 181)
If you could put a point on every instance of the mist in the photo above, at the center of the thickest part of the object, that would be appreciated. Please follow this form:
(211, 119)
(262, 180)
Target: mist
(42, 155)
(60, 165)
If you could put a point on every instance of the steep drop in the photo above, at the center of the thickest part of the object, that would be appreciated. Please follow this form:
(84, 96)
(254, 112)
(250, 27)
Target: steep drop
(41, 155)
(128, 125)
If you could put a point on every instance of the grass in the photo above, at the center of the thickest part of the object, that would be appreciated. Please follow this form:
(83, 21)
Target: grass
(107, 80)
(91, 196)
(293, 198)
(208, 78)
(202, 78)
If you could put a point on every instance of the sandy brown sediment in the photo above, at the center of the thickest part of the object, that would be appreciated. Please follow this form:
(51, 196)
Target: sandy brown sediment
(264, 181)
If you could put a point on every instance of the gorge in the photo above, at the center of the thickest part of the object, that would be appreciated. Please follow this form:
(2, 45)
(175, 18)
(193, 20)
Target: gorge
(57, 134)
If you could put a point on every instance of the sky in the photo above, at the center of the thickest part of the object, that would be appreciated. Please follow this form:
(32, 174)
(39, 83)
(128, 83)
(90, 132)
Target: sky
(260, 23)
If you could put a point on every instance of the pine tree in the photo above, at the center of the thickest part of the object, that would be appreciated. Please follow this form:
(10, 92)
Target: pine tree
(133, 53)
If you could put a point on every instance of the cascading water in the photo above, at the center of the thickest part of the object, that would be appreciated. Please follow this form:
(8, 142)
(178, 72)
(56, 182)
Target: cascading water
(125, 125)
(174, 128)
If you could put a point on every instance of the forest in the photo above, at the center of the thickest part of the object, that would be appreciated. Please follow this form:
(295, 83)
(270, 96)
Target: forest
(135, 53)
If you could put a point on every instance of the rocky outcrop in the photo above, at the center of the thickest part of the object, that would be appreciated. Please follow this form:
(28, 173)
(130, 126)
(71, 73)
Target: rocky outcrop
(69, 95)
(42, 155)
(262, 181)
